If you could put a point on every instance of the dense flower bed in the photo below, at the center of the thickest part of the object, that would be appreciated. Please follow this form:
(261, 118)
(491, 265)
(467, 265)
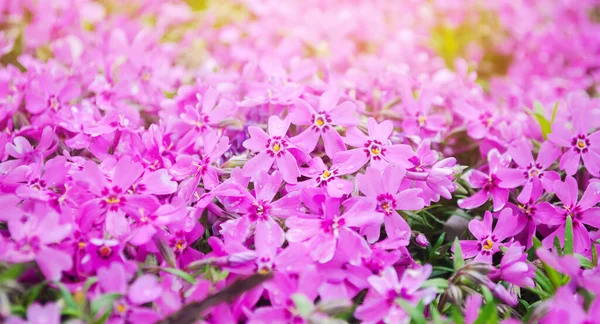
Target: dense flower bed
(311, 161)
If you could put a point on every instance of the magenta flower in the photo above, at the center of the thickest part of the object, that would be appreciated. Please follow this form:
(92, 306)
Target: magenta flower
(487, 241)
(579, 143)
(581, 211)
(325, 177)
(111, 199)
(380, 303)
(274, 147)
(489, 184)
(321, 123)
(419, 119)
(332, 232)
(145, 289)
(257, 208)
(515, 269)
(207, 113)
(382, 189)
(530, 174)
(47, 92)
(374, 148)
(35, 238)
(192, 169)
(38, 314)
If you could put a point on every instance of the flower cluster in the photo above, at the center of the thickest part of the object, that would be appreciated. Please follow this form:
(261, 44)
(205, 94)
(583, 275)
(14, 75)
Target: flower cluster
(236, 161)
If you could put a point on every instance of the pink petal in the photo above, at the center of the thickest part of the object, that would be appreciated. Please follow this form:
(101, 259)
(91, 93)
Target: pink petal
(333, 142)
(344, 114)
(126, 172)
(521, 153)
(258, 139)
(145, 289)
(159, 183)
(301, 113)
(53, 262)
(510, 178)
(288, 167)
(474, 201)
(261, 162)
(307, 140)
(567, 191)
(278, 127)
(328, 100)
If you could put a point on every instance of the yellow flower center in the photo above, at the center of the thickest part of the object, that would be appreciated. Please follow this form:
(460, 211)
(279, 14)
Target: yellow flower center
(326, 174)
(121, 308)
(264, 270)
(375, 150)
(386, 206)
(320, 122)
(180, 245)
(81, 245)
(488, 245)
(113, 200)
(276, 147)
(580, 144)
(422, 120)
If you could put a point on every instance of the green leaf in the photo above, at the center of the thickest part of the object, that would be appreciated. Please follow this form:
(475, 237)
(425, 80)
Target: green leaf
(569, 236)
(457, 315)
(181, 274)
(594, 255)
(67, 297)
(435, 315)
(415, 314)
(34, 293)
(584, 262)
(543, 281)
(557, 247)
(304, 306)
(554, 113)
(104, 302)
(539, 114)
(13, 272)
(458, 256)
(438, 283)
(489, 315)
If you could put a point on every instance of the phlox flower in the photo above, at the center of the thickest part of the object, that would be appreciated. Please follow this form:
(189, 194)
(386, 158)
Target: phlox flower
(531, 174)
(489, 184)
(145, 289)
(322, 122)
(382, 189)
(325, 177)
(38, 314)
(33, 238)
(273, 147)
(374, 148)
(579, 143)
(419, 120)
(380, 303)
(487, 241)
(332, 231)
(514, 268)
(50, 93)
(582, 211)
(257, 208)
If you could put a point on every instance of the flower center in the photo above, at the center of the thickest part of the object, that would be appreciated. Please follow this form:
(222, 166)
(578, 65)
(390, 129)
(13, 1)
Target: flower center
(488, 245)
(276, 145)
(121, 308)
(374, 149)
(180, 245)
(386, 203)
(320, 121)
(580, 143)
(105, 251)
(53, 102)
(422, 120)
(113, 200)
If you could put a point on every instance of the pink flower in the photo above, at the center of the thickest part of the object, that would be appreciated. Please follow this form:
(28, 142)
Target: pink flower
(419, 119)
(322, 122)
(489, 184)
(530, 174)
(382, 189)
(325, 177)
(487, 241)
(274, 147)
(332, 232)
(515, 269)
(38, 314)
(581, 212)
(579, 143)
(374, 148)
(380, 303)
(47, 92)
